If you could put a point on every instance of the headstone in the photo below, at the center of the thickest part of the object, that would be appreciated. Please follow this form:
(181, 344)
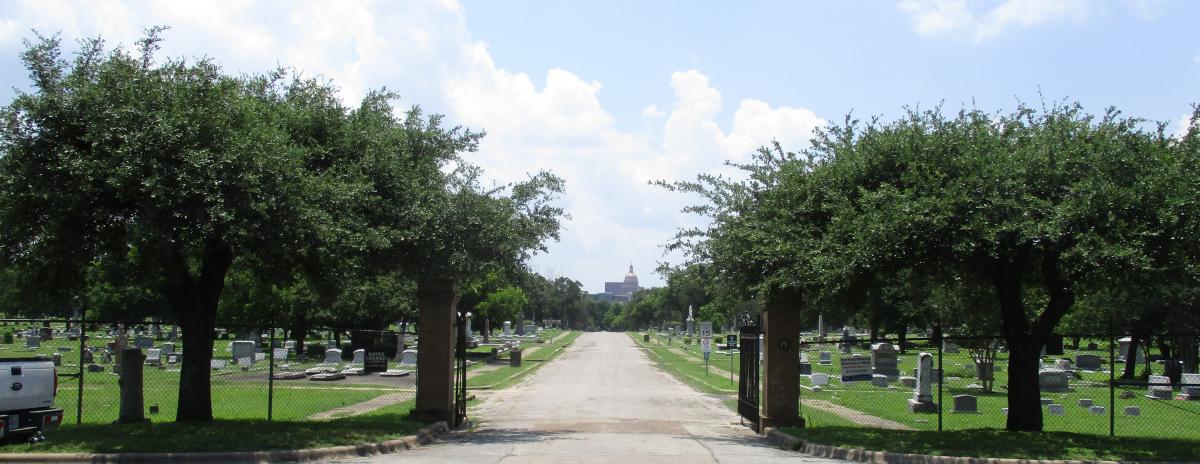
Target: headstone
(1054, 380)
(1123, 350)
(333, 356)
(1161, 391)
(691, 322)
(1056, 409)
(1086, 402)
(1047, 401)
(154, 357)
(245, 362)
(908, 382)
(922, 400)
(279, 353)
(143, 342)
(173, 358)
(1089, 362)
(1091, 346)
(290, 345)
(966, 403)
(1097, 410)
(821, 325)
(167, 348)
(879, 380)
(848, 340)
(375, 361)
(56, 357)
(507, 328)
(360, 356)
(985, 371)
(46, 334)
(218, 364)
(242, 349)
(260, 357)
(1191, 387)
(819, 379)
(883, 360)
(327, 377)
(949, 347)
(805, 368)
(408, 358)
(1172, 369)
(470, 327)
(1062, 364)
(174, 335)
(331, 344)
(33, 342)
(825, 358)
(1133, 411)
(1004, 411)
(86, 356)
(530, 330)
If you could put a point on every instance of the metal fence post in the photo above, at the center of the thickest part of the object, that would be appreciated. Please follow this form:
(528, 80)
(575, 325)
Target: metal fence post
(1112, 381)
(941, 377)
(271, 375)
(82, 369)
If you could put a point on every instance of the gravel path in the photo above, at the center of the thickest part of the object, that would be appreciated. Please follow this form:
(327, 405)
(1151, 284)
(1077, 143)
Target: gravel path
(363, 407)
(856, 416)
(600, 401)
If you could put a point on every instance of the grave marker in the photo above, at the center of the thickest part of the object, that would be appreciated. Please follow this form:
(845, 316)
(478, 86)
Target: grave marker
(966, 403)
(375, 361)
(883, 360)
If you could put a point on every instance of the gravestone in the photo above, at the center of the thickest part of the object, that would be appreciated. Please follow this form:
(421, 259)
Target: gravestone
(1055, 380)
(1091, 346)
(290, 345)
(1123, 350)
(143, 342)
(966, 403)
(1172, 369)
(1162, 391)
(95, 368)
(333, 356)
(949, 347)
(46, 334)
(217, 364)
(1133, 411)
(1191, 387)
(260, 357)
(33, 342)
(280, 353)
(530, 330)
(1089, 362)
(1097, 410)
(245, 363)
(883, 360)
(56, 358)
(985, 371)
(360, 356)
(922, 400)
(86, 356)
(1086, 402)
(375, 361)
(173, 358)
(408, 358)
(879, 380)
(167, 348)
(507, 328)
(242, 349)
(825, 358)
(174, 335)
(819, 379)
(847, 343)
(1062, 364)
(154, 357)
(908, 382)
(1056, 409)
(805, 368)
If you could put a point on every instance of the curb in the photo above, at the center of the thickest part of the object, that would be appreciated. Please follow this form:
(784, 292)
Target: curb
(785, 440)
(423, 436)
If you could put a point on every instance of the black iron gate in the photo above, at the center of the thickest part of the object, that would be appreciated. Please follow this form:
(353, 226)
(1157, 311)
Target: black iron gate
(460, 372)
(748, 351)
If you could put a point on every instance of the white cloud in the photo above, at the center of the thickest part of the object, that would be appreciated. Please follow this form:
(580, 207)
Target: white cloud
(652, 112)
(1196, 59)
(1183, 124)
(955, 17)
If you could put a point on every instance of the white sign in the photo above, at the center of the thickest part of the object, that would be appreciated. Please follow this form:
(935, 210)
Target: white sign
(856, 368)
(706, 337)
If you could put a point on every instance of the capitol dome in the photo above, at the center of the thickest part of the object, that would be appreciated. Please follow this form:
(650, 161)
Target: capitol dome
(631, 278)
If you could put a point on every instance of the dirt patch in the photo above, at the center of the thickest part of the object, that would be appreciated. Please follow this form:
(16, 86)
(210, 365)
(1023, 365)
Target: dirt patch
(856, 416)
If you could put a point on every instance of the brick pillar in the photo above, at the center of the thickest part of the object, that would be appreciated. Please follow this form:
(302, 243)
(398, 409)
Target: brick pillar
(437, 300)
(781, 361)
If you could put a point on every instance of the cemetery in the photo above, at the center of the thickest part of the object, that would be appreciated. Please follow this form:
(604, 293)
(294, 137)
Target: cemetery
(1081, 406)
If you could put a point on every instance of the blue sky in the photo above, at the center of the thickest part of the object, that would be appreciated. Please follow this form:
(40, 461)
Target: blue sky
(613, 94)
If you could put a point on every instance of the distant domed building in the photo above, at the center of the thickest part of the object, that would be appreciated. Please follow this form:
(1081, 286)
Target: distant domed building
(620, 291)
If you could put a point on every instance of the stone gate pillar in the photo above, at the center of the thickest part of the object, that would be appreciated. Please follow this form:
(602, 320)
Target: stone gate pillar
(781, 360)
(437, 300)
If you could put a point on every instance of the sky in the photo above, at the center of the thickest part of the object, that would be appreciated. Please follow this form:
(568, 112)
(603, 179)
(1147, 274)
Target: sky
(613, 95)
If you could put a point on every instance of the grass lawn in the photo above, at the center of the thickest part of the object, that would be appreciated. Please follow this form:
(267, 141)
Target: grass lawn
(507, 375)
(687, 371)
(1001, 444)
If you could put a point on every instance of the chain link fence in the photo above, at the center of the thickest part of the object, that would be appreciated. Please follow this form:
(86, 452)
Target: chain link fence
(256, 373)
(851, 381)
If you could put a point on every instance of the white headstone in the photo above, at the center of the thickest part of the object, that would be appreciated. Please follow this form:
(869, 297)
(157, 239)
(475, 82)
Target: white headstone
(1163, 391)
(879, 380)
(360, 356)
(33, 342)
(290, 345)
(1056, 410)
(1062, 364)
(1191, 386)
(280, 353)
(154, 356)
(260, 357)
(333, 356)
(1054, 380)
(820, 379)
(245, 362)
(1097, 410)
(408, 358)
(218, 363)
(507, 328)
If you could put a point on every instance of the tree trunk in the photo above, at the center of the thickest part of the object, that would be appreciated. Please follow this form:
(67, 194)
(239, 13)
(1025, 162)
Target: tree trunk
(902, 332)
(195, 303)
(300, 327)
(132, 407)
(1024, 392)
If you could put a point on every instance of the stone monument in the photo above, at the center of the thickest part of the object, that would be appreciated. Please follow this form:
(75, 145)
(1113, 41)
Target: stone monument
(922, 400)
(691, 322)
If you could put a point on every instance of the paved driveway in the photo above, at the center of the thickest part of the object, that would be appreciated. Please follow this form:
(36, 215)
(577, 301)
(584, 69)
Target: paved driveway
(601, 401)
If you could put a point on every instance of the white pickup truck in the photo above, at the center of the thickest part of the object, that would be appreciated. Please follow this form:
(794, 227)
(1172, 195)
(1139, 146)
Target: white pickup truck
(27, 390)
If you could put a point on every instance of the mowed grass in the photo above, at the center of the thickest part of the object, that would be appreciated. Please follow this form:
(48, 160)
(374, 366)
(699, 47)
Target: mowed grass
(506, 375)
(687, 371)
(1003, 444)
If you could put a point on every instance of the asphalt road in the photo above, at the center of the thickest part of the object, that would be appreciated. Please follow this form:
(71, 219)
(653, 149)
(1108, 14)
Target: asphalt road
(601, 401)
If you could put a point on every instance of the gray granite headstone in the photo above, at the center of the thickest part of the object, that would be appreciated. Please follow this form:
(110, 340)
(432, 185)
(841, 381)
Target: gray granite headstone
(1056, 409)
(966, 403)
(333, 356)
(1056, 380)
(883, 360)
(1163, 390)
(242, 349)
(1191, 387)
(408, 358)
(1088, 362)
(360, 356)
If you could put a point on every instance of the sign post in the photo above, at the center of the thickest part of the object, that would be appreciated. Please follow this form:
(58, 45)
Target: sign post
(706, 342)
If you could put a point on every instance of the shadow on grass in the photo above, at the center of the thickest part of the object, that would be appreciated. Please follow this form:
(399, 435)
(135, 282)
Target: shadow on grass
(1002, 444)
(221, 435)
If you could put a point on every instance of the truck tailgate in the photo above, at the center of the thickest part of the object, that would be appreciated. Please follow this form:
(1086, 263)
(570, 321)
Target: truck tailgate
(26, 384)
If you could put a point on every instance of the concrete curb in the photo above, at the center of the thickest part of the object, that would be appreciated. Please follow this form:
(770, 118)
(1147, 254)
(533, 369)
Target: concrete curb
(882, 457)
(424, 436)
